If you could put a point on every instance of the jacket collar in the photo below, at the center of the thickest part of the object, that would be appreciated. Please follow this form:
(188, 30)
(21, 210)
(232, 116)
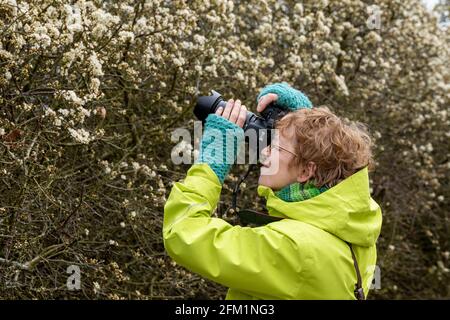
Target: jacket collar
(345, 210)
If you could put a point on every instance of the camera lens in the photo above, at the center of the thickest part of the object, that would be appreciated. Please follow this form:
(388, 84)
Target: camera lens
(208, 104)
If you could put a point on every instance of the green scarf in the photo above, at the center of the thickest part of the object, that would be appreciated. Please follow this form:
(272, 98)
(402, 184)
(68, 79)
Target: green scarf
(299, 191)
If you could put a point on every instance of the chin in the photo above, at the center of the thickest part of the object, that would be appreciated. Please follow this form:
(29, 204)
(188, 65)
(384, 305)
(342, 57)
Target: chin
(272, 181)
(265, 181)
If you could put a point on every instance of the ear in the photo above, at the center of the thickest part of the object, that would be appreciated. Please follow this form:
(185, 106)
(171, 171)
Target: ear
(306, 172)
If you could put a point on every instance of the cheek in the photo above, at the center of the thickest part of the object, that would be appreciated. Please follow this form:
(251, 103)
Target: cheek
(286, 166)
(279, 166)
(287, 171)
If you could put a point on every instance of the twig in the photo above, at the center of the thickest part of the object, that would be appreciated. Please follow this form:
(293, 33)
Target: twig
(74, 210)
(19, 265)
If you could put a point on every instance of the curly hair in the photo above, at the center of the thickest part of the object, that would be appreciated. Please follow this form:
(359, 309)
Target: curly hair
(338, 147)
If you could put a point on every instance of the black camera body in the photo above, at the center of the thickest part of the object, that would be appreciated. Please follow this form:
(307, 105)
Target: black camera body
(261, 124)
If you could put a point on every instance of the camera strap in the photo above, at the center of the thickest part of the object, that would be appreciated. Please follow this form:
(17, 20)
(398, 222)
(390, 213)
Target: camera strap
(237, 187)
(359, 291)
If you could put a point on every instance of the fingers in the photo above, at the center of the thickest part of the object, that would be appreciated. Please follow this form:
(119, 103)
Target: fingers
(228, 108)
(219, 111)
(242, 116)
(265, 100)
(235, 112)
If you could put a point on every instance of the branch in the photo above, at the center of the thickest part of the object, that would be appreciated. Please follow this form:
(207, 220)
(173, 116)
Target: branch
(16, 264)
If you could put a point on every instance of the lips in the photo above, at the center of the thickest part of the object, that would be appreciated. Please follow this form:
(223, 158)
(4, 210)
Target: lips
(262, 164)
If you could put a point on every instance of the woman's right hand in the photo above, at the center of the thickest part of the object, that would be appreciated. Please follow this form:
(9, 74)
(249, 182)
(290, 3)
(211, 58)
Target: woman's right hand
(234, 111)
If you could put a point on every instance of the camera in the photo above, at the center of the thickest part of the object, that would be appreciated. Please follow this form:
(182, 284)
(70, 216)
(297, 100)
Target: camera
(262, 125)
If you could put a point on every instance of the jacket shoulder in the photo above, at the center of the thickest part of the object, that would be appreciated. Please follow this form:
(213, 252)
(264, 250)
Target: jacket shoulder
(302, 233)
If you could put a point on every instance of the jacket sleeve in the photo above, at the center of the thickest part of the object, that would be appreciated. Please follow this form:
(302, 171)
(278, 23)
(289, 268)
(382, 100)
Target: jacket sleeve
(260, 261)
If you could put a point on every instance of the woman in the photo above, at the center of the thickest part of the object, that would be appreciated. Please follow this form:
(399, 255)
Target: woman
(314, 177)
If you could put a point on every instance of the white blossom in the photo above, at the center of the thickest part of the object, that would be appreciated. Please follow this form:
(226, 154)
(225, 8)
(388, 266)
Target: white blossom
(136, 166)
(126, 36)
(80, 135)
(96, 66)
(64, 112)
(96, 287)
(340, 81)
(71, 96)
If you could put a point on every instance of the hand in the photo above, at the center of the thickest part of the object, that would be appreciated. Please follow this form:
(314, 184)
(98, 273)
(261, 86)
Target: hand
(265, 100)
(233, 112)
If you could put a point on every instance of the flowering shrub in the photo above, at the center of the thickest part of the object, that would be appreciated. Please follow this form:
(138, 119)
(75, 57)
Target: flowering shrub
(90, 91)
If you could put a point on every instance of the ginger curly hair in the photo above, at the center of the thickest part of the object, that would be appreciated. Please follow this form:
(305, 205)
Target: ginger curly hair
(338, 147)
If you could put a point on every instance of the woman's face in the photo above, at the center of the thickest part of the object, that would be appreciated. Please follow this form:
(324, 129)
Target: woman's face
(277, 170)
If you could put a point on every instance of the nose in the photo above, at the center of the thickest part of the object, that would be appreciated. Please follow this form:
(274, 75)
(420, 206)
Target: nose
(265, 152)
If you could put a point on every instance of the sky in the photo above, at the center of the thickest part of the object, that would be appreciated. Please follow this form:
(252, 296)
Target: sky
(430, 3)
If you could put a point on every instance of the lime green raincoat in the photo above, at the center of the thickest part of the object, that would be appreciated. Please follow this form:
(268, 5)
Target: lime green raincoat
(303, 256)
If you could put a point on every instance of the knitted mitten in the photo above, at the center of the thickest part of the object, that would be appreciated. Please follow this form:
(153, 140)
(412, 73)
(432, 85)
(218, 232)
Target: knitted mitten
(288, 97)
(220, 142)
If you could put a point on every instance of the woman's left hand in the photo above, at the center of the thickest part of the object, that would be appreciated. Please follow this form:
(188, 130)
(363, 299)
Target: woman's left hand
(265, 100)
(234, 112)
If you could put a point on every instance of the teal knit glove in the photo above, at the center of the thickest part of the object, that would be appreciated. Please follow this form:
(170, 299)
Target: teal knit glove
(288, 97)
(220, 142)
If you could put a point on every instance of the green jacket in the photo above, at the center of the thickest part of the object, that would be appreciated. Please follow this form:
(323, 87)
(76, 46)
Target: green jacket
(303, 256)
